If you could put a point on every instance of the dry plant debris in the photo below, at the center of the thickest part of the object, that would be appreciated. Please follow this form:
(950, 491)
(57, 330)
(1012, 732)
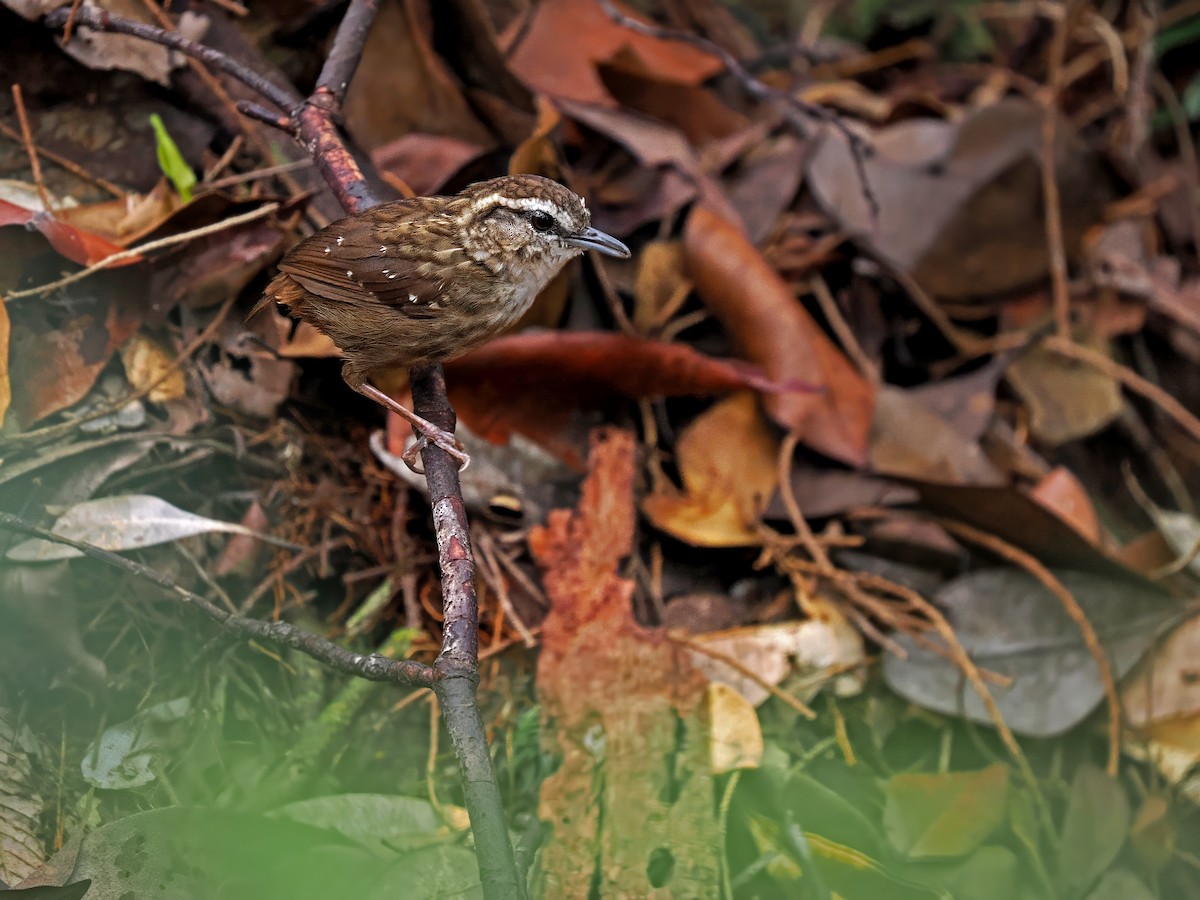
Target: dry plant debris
(896, 399)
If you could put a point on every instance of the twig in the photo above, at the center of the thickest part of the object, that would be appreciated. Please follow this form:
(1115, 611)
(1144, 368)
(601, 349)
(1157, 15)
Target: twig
(1026, 561)
(799, 112)
(455, 673)
(746, 672)
(141, 250)
(373, 667)
(98, 20)
(31, 151)
(841, 328)
(256, 174)
(1050, 196)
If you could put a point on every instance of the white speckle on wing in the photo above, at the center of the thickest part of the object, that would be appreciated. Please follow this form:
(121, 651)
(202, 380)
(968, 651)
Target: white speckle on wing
(341, 240)
(382, 249)
(349, 274)
(412, 298)
(328, 249)
(393, 275)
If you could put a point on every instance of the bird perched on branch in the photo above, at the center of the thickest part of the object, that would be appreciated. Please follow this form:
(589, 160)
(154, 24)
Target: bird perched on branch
(423, 280)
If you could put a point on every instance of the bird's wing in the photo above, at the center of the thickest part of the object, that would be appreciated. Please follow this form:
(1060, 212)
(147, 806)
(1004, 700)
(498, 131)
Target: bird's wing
(375, 265)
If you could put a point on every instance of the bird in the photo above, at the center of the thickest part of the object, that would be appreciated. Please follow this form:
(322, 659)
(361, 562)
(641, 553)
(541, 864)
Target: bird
(426, 279)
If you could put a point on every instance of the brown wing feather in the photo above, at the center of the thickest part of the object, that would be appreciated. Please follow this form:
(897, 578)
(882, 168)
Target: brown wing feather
(381, 263)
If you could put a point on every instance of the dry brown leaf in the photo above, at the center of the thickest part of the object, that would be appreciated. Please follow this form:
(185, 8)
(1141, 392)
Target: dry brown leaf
(831, 405)
(56, 369)
(537, 155)
(386, 101)
(659, 283)
(148, 362)
(539, 383)
(728, 461)
(696, 111)
(560, 48)
(960, 202)
(108, 50)
(1065, 496)
(76, 244)
(910, 440)
(425, 162)
(1066, 399)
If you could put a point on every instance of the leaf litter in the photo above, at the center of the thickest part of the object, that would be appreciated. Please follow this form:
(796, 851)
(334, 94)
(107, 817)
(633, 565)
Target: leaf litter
(818, 349)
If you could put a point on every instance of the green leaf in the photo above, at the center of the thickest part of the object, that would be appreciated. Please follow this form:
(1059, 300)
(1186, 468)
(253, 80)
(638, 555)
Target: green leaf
(990, 873)
(1121, 885)
(944, 815)
(171, 161)
(1094, 828)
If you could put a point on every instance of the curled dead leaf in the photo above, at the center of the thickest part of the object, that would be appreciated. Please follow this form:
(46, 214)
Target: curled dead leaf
(831, 407)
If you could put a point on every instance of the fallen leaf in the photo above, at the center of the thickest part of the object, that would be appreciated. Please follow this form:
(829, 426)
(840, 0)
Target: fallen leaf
(21, 805)
(76, 244)
(1166, 685)
(423, 95)
(1094, 828)
(774, 653)
(659, 284)
(125, 522)
(735, 736)
(147, 363)
(959, 202)
(1066, 399)
(58, 367)
(909, 440)
(127, 754)
(944, 815)
(728, 461)
(1065, 496)
(560, 48)
(109, 50)
(1012, 625)
(764, 319)
(536, 383)
(425, 162)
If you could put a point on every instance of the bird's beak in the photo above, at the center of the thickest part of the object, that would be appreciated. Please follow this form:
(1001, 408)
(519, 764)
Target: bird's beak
(595, 239)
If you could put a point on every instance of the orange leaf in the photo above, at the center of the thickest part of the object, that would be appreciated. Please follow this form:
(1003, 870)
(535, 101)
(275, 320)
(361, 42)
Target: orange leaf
(558, 52)
(772, 329)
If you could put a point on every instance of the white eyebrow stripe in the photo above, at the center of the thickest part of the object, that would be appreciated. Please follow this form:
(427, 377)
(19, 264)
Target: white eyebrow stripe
(522, 203)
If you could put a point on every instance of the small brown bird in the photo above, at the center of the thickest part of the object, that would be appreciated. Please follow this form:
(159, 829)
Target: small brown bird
(419, 281)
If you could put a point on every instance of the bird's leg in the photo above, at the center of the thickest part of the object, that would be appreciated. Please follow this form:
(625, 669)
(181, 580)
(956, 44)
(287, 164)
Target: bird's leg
(427, 432)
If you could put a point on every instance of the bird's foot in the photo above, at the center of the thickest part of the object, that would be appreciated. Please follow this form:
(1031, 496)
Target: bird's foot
(439, 438)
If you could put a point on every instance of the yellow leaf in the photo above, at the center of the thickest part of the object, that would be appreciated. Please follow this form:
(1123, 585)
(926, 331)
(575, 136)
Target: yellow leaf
(727, 460)
(148, 363)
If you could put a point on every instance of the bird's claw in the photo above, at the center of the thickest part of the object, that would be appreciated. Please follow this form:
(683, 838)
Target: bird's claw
(441, 439)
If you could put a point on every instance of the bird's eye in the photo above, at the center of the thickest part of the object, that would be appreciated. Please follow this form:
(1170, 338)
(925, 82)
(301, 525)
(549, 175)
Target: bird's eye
(541, 222)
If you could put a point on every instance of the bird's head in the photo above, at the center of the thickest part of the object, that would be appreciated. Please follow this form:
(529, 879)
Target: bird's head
(530, 222)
